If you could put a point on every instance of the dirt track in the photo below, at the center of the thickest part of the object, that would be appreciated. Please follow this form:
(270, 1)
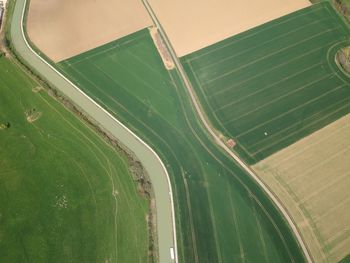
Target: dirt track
(64, 28)
(192, 25)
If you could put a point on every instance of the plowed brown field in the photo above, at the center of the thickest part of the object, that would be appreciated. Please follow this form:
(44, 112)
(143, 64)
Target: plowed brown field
(192, 25)
(64, 28)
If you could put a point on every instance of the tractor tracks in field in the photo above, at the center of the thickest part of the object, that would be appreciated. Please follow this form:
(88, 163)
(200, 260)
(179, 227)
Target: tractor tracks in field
(165, 214)
(216, 138)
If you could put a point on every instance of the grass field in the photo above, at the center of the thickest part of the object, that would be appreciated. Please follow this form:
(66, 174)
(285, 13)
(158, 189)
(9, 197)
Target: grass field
(312, 179)
(345, 260)
(65, 195)
(270, 86)
(222, 216)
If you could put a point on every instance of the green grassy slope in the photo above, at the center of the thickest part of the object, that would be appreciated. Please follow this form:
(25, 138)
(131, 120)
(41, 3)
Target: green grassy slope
(222, 216)
(345, 260)
(57, 179)
(270, 86)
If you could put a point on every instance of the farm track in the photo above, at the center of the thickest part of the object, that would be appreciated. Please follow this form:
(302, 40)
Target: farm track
(150, 160)
(217, 140)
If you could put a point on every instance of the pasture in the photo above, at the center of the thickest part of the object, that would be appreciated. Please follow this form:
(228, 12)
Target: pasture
(312, 179)
(270, 86)
(221, 214)
(64, 28)
(65, 195)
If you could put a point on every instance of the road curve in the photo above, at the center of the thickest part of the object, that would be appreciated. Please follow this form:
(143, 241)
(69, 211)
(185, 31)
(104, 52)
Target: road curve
(219, 142)
(166, 229)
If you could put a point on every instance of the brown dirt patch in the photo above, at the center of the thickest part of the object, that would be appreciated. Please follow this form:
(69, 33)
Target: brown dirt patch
(192, 25)
(32, 115)
(37, 89)
(162, 49)
(64, 28)
(231, 143)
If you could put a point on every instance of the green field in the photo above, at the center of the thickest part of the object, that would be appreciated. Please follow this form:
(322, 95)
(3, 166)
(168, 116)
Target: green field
(271, 86)
(65, 195)
(346, 259)
(221, 214)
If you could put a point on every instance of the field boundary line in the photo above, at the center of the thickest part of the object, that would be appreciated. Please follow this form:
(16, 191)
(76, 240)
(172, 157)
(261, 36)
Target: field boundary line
(206, 99)
(295, 124)
(242, 98)
(311, 116)
(317, 219)
(113, 45)
(228, 88)
(340, 236)
(317, 142)
(291, 110)
(109, 115)
(269, 55)
(253, 34)
(293, 92)
(203, 119)
(260, 44)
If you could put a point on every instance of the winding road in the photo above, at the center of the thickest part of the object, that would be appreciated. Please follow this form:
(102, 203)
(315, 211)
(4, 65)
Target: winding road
(217, 140)
(166, 229)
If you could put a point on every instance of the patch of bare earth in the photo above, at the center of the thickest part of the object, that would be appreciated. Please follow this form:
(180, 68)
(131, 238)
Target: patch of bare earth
(65, 28)
(312, 180)
(37, 89)
(32, 115)
(192, 25)
(162, 49)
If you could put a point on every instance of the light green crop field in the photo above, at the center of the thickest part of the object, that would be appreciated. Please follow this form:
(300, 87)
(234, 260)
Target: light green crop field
(312, 179)
(271, 86)
(65, 195)
(221, 214)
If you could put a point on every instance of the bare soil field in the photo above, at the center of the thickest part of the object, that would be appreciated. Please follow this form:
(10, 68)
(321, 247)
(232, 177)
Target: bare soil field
(192, 25)
(64, 28)
(312, 179)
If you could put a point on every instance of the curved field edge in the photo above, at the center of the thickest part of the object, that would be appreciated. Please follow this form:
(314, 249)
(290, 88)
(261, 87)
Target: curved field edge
(154, 104)
(270, 86)
(66, 194)
(345, 260)
(326, 61)
(109, 126)
(132, 170)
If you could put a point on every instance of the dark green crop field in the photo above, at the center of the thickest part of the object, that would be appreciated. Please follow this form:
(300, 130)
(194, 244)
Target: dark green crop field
(221, 214)
(65, 195)
(345, 260)
(271, 86)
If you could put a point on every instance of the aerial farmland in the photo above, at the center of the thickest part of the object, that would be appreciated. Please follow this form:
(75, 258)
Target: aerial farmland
(65, 194)
(268, 88)
(314, 173)
(48, 22)
(175, 131)
(128, 78)
(193, 25)
(272, 85)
